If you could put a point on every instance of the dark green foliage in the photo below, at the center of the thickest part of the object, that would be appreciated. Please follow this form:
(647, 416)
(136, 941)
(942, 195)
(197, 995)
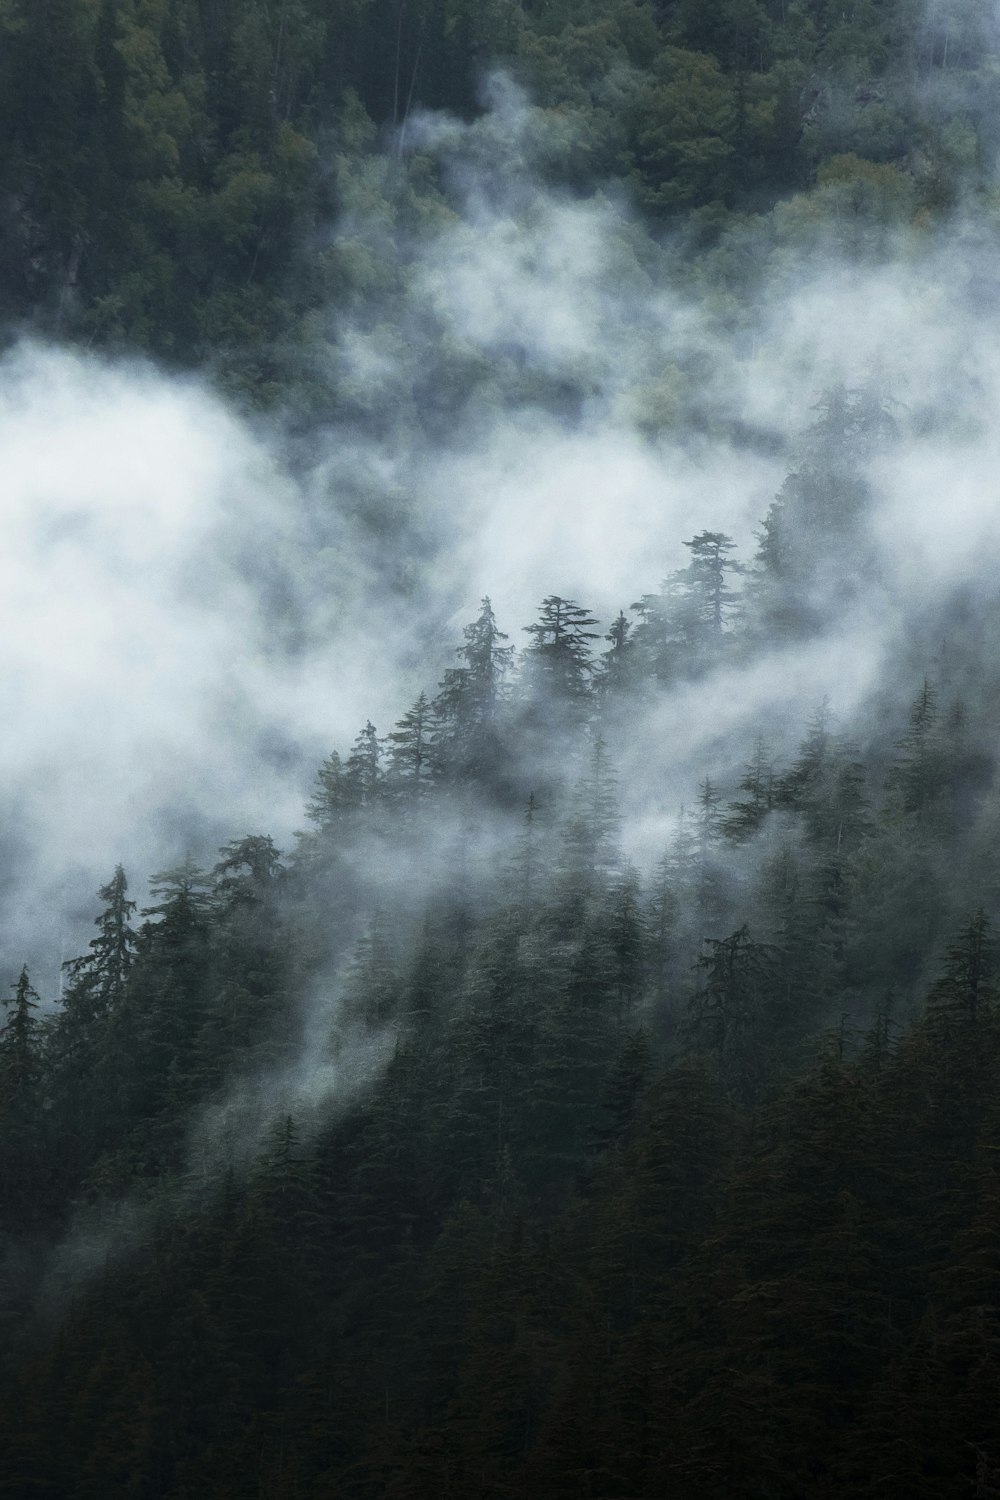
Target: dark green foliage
(468, 743)
(559, 658)
(458, 1156)
(729, 1007)
(22, 1064)
(410, 757)
(688, 627)
(163, 166)
(745, 818)
(550, 1238)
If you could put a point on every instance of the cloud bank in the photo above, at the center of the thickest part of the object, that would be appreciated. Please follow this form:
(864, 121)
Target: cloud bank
(192, 614)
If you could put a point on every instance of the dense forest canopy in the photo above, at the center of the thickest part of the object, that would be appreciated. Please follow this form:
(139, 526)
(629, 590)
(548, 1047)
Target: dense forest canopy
(502, 669)
(171, 169)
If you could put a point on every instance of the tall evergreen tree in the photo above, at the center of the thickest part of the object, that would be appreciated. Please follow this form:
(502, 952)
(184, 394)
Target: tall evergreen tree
(918, 776)
(707, 579)
(558, 662)
(410, 756)
(363, 773)
(469, 743)
(759, 783)
(95, 983)
(21, 1072)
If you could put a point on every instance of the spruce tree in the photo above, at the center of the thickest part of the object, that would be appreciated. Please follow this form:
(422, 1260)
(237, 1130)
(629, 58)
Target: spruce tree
(707, 580)
(21, 1072)
(467, 710)
(558, 662)
(410, 757)
(917, 778)
(745, 817)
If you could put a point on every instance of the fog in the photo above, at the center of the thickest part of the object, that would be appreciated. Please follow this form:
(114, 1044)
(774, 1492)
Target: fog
(195, 609)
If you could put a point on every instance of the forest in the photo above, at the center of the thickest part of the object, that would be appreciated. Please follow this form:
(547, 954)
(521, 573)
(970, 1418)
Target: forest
(586, 1083)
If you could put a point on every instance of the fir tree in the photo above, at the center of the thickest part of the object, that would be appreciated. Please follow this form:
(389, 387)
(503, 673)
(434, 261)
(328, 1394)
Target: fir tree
(22, 1197)
(96, 982)
(558, 662)
(918, 777)
(363, 773)
(468, 706)
(410, 755)
(744, 818)
(20, 1053)
(706, 579)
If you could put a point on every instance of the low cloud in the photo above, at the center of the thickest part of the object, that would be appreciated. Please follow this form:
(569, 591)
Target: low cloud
(190, 618)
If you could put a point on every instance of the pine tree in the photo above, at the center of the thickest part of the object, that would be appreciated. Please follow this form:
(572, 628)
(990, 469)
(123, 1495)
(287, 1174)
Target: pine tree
(708, 870)
(95, 983)
(21, 1072)
(964, 994)
(729, 1010)
(371, 987)
(825, 784)
(81, 1043)
(626, 937)
(410, 756)
(918, 777)
(706, 579)
(248, 870)
(331, 797)
(615, 677)
(558, 662)
(468, 707)
(154, 1044)
(661, 638)
(486, 661)
(20, 1052)
(774, 608)
(248, 1009)
(527, 863)
(363, 773)
(591, 847)
(759, 779)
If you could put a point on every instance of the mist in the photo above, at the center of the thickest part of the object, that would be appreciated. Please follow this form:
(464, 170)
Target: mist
(197, 607)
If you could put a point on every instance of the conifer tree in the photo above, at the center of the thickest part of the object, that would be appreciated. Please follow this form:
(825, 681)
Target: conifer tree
(410, 755)
(728, 1012)
(709, 878)
(20, 1052)
(663, 632)
(363, 773)
(558, 661)
(331, 796)
(826, 785)
(154, 1048)
(615, 676)
(247, 871)
(249, 943)
(371, 987)
(707, 581)
(96, 982)
(21, 1071)
(964, 994)
(758, 781)
(626, 937)
(82, 1044)
(591, 838)
(918, 776)
(468, 706)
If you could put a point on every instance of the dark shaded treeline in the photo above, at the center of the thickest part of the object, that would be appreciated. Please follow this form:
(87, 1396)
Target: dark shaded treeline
(452, 1155)
(169, 169)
